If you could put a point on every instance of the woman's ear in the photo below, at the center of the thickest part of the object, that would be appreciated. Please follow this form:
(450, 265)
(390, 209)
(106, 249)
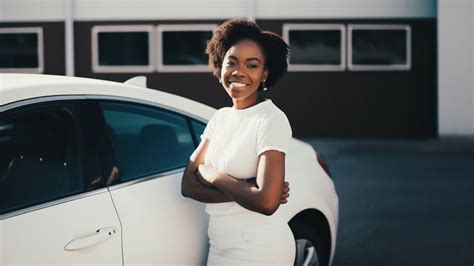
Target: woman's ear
(265, 74)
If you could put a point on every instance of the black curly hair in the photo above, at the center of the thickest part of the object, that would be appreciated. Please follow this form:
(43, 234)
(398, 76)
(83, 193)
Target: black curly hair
(231, 31)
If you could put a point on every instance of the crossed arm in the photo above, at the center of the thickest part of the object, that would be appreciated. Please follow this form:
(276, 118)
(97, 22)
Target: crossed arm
(204, 183)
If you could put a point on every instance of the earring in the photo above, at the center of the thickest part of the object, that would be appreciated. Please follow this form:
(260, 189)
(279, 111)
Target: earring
(264, 88)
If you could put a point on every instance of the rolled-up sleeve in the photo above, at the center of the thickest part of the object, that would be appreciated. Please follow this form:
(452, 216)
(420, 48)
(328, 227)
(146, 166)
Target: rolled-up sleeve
(210, 128)
(274, 134)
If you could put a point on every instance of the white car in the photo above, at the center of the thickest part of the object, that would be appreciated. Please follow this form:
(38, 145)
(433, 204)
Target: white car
(90, 174)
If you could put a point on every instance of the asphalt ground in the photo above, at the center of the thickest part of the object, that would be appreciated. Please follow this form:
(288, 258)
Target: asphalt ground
(403, 202)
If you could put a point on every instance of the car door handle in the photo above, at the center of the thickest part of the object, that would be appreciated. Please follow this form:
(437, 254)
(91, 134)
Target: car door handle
(100, 235)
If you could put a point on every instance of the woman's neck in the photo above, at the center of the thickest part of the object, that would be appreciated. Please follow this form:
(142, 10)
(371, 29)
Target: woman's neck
(246, 103)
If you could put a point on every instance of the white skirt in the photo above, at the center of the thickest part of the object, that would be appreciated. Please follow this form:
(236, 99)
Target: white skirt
(249, 238)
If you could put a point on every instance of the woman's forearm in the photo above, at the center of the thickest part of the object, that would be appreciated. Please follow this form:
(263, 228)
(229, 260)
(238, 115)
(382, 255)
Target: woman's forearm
(192, 188)
(247, 195)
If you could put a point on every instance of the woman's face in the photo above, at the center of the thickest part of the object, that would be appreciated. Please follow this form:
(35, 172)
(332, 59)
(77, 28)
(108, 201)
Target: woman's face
(243, 70)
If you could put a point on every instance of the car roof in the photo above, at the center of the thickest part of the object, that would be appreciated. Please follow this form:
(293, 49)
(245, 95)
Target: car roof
(20, 87)
(15, 81)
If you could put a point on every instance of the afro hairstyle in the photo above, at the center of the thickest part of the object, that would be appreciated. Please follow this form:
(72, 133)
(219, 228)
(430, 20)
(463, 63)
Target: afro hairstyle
(230, 32)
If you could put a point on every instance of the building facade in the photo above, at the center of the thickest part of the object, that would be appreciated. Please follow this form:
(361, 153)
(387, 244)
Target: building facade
(357, 69)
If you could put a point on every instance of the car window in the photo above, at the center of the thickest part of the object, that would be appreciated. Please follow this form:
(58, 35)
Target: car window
(38, 158)
(147, 139)
(198, 128)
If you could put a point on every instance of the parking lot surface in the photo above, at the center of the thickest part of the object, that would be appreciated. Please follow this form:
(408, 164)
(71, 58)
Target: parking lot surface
(403, 202)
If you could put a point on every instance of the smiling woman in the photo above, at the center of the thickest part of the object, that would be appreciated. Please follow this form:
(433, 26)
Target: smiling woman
(242, 73)
(273, 49)
(248, 140)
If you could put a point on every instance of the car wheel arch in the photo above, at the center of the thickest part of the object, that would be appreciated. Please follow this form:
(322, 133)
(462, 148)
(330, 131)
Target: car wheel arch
(317, 221)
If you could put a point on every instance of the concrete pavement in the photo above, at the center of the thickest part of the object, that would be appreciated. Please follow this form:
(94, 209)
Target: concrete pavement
(403, 202)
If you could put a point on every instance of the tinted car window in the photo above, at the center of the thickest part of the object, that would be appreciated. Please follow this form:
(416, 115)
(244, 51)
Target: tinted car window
(198, 128)
(38, 158)
(146, 139)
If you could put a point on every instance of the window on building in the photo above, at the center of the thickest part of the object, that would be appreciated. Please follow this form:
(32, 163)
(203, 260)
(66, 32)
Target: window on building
(379, 47)
(181, 47)
(124, 48)
(21, 50)
(315, 47)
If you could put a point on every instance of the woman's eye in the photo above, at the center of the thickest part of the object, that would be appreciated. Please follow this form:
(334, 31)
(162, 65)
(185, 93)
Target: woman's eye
(252, 66)
(229, 63)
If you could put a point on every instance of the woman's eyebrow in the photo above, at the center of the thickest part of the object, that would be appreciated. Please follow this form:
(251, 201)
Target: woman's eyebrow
(253, 58)
(248, 59)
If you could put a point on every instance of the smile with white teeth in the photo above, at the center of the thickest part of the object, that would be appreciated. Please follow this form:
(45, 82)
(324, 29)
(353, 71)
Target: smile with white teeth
(237, 84)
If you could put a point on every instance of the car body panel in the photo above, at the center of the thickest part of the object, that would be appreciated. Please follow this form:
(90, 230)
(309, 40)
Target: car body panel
(311, 187)
(40, 236)
(159, 225)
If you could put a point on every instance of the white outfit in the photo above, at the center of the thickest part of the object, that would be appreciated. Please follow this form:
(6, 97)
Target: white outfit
(239, 236)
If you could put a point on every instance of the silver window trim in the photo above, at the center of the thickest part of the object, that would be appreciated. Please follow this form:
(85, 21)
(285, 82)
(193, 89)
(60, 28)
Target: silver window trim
(400, 67)
(96, 68)
(146, 178)
(102, 190)
(139, 101)
(179, 27)
(39, 32)
(89, 194)
(53, 203)
(98, 97)
(287, 27)
(40, 100)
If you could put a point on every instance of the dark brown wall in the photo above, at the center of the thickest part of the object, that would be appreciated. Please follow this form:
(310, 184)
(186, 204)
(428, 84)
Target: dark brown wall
(346, 104)
(54, 49)
(365, 104)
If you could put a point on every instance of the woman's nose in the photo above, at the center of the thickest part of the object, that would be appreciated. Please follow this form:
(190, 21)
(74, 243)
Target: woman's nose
(237, 71)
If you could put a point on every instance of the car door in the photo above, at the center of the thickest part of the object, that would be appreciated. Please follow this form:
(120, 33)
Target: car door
(53, 208)
(152, 147)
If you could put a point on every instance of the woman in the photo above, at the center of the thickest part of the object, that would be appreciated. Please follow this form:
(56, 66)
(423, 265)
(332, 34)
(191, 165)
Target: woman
(241, 142)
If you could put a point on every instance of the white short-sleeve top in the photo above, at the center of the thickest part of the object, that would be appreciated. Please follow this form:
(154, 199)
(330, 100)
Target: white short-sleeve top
(238, 136)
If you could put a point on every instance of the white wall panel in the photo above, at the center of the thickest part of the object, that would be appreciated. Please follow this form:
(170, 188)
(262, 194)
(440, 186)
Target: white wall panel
(455, 67)
(345, 8)
(158, 9)
(53, 10)
(31, 10)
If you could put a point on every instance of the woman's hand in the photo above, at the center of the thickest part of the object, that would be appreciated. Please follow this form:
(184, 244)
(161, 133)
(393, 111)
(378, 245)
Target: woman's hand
(266, 197)
(285, 193)
(211, 177)
(207, 174)
(201, 179)
(192, 187)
